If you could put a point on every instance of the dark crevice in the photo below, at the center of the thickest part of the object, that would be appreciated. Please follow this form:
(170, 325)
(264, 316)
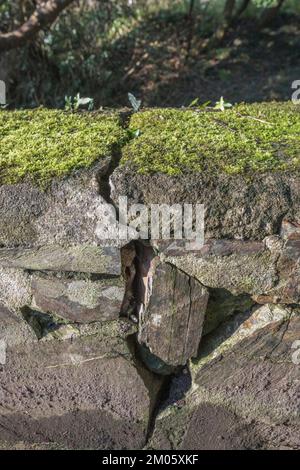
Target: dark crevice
(71, 275)
(163, 392)
(41, 323)
(105, 174)
(162, 397)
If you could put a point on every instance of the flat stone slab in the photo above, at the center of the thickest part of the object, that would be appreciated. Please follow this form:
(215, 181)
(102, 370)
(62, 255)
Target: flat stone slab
(81, 393)
(238, 267)
(81, 258)
(79, 301)
(236, 207)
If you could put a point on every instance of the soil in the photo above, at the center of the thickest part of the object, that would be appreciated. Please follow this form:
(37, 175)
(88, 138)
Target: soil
(165, 64)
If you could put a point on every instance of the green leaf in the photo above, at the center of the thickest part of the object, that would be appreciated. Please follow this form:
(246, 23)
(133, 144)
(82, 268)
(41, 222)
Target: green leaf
(135, 103)
(193, 103)
(222, 104)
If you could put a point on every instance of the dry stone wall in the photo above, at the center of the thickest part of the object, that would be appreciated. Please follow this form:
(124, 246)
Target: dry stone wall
(97, 332)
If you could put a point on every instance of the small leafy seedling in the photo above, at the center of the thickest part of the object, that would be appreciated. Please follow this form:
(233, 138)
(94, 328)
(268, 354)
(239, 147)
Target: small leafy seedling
(76, 102)
(195, 104)
(222, 104)
(135, 103)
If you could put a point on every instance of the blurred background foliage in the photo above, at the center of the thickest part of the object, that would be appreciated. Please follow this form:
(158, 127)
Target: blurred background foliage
(166, 52)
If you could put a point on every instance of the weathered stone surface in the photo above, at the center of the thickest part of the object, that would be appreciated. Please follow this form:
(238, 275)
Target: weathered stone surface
(81, 258)
(235, 329)
(244, 397)
(48, 326)
(237, 207)
(79, 301)
(69, 212)
(15, 288)
(290, 228)
(287, 290)
(171, 325)
(221, 305)
(13, 329)
(239, 269)
(84, 393)
(268, 271)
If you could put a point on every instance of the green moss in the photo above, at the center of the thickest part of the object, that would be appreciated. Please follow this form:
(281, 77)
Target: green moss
(47, 143)
(42, 144)
(247, 138)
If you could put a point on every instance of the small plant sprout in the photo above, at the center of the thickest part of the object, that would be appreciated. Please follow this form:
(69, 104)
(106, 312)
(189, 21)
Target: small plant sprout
(77, 102)
(135, 103)
(222, 105)
(195, 104)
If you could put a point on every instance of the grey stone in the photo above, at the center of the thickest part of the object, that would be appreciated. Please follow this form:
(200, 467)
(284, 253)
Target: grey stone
(239, 270)
(172, 322)
(243, 396)
(13, 329)
(79, 301)
(70, 211)
(237, 207)
(81, 393)
(81, 258)
(15, 288)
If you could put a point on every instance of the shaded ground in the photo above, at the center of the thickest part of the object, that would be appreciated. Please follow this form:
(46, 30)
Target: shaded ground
(163, 63)
(162, 60)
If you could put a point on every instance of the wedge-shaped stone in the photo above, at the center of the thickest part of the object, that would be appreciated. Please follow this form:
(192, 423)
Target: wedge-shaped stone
(172, 323)
(245, 388)
(14, 329)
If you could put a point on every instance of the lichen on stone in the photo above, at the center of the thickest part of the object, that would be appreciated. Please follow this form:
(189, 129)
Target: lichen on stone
(42, 143)
(244, 139)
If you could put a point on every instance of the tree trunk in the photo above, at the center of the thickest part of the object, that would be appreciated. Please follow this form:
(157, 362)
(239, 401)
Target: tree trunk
(45, 14)
(269, 14)
(228, 10)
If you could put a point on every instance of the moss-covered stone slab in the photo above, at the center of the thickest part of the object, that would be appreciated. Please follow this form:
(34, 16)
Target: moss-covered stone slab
(42, 144)
(81, 258)
(245, 139)
(79, 301)
(242, 164)
(53, 173)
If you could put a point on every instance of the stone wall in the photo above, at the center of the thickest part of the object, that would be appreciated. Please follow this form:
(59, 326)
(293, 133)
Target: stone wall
(136, 343)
